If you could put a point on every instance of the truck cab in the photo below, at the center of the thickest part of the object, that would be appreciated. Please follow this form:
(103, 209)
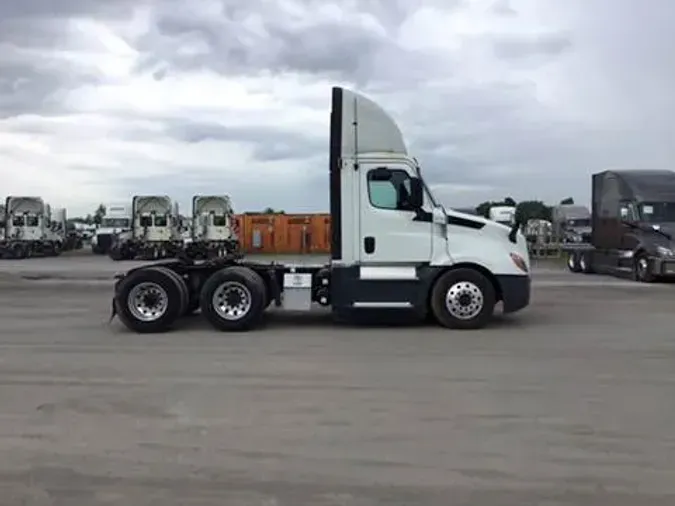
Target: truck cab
(116, 221)
(633, 225)
(391, 239)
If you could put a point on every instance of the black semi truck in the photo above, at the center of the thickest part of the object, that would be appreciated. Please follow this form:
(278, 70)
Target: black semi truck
(633, 226)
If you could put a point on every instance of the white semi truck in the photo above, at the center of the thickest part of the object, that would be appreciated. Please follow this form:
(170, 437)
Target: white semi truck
(117, 220)
(393, 247)
(155, 230)
(212, 227)
(28, 229)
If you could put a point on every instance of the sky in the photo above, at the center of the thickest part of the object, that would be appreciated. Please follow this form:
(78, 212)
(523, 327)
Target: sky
(104, 99)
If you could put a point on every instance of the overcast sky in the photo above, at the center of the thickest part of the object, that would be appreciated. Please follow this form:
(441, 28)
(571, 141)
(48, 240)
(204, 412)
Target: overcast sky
(103, 99)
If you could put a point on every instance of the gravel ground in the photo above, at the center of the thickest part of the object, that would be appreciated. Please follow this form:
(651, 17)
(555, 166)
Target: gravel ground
(567, 403)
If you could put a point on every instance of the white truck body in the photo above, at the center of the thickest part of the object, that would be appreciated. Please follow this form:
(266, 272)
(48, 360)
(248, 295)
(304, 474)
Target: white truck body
(212, 217)
(155, 219)
(392, 247)
(117, 220)
(27, 219)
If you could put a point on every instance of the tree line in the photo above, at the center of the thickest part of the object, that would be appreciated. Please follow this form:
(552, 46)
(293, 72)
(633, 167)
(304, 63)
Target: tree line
(525, 210)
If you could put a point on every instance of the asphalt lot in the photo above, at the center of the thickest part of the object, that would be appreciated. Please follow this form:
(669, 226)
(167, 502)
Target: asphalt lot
(567, 403)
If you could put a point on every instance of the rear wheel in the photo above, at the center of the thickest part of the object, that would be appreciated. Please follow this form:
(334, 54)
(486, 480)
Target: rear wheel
(182, 285)
(233, 299)
(573, 261)
(463, 299)
(148, 301)
(586, 262)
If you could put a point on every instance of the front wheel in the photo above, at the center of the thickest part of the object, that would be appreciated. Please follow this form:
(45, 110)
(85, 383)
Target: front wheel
(642, 269)
(463, 299)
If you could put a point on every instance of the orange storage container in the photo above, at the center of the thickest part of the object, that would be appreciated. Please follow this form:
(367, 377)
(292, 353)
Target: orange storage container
(258, 234)
(298, 234)
(320, 234)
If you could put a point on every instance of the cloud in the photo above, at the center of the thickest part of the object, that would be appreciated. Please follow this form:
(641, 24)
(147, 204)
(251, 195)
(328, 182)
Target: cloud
(102, 99)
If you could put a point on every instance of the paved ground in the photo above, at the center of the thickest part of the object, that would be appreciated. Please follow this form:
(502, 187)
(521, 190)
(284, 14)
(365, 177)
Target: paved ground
(567, 403)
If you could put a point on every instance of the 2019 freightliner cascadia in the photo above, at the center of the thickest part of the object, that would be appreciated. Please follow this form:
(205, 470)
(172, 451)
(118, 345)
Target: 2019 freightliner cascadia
(633, 220)
(392, 247)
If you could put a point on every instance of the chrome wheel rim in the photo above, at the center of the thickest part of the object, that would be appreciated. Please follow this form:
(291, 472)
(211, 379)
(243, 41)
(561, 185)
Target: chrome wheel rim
(232, 301)
(582, 263)
(570, 262)
(147, 301)
(464, 300)
(642, 267)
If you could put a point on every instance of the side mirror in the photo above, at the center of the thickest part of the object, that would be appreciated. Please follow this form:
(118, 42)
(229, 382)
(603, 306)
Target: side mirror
(416, 198)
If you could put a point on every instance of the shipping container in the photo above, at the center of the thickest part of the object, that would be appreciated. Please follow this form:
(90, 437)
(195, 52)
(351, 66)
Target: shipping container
(284, 234)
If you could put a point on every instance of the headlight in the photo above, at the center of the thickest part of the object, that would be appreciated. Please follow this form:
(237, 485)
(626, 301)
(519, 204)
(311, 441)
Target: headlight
(664, 252)
(519, 262)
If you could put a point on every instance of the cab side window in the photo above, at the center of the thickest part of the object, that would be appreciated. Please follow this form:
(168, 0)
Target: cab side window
(389, 189)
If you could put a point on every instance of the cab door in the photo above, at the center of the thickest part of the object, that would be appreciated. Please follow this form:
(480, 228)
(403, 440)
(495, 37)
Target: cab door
(389, 231)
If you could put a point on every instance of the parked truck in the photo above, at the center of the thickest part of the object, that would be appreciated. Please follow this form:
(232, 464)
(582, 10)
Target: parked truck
(27, 231)
(212, 231)
(155, 231)
(505, 215)
(632, 226)
(393, 247)
(116, 221)
(571, 223)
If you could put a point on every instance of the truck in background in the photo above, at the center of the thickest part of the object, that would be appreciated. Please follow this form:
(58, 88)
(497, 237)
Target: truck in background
(571, 223)
(393, 247)
(27, 231)
(632, 226)
(117, 220)
(155, 230)
(212, 227)
(506, 215)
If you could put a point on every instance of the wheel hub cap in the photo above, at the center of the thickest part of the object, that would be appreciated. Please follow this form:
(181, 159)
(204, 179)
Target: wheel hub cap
(232, 301)
(147, 302)
(464, 300)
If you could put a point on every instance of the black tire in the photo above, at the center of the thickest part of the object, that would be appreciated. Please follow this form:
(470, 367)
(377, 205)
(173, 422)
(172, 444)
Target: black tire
(643, 269)
(470, 287)
(167, 285)
(586, 262)
(573, 261)
(182, 285)
(247, 284)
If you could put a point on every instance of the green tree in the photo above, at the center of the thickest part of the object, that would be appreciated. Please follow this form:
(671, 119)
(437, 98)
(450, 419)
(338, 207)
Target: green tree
(99, 214)
(532, 210)
(566, 202)
(270, 210)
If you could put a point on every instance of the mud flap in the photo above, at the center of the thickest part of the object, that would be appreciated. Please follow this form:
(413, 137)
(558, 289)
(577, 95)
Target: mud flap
(113, 312)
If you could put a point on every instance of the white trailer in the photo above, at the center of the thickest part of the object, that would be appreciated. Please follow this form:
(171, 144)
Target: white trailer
(27, 230)
(393, 247)
(155, 230)
(212, 231)
(117, 220)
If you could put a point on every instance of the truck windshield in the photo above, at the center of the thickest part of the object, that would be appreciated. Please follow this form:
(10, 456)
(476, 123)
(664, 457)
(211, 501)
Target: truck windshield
(115, 222)
(160, 221)
(581, 222)
(17, 221)
(32, 221)
(219, 221)
(658, 212)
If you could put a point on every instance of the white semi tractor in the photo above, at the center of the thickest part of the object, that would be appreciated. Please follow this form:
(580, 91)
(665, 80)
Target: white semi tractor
(117, 220)
(27, 230)
(393, 247)
(155, 230)
(212, 227)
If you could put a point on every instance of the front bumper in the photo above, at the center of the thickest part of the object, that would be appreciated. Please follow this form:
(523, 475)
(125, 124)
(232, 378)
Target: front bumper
(515, 291)
(663, 266)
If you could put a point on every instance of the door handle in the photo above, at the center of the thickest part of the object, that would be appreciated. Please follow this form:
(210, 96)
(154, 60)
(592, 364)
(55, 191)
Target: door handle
(369, 244)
